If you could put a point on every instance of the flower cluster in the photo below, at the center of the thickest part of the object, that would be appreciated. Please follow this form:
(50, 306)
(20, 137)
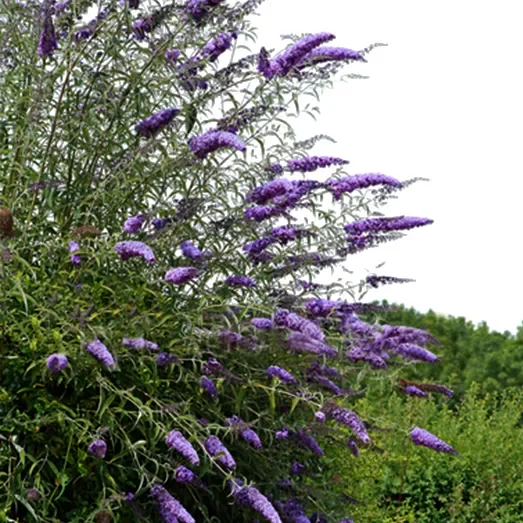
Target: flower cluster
(359, 181)
(283, 375)
(177, 441)
(130, 249)
(181, 275)
(217, 449)
(140, 344)
(253, 498)
(312, 163)
(101, 353)
(245, 432)
(152, 125)
(98, 448)
(239, 281)
(171, 510)
(213, 140)
(57, 362)
(425, 438)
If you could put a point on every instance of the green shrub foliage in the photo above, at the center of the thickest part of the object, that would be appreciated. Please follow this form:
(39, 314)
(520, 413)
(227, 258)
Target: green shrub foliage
(404, 484)
(165, 351)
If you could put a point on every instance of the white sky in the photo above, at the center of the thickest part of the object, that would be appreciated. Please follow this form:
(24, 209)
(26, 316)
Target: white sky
(444, 102)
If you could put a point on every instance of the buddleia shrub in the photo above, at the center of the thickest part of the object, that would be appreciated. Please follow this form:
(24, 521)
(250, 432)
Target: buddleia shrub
(167, 350)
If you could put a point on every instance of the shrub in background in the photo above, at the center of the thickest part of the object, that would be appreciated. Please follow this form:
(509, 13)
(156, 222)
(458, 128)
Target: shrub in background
(165, 351)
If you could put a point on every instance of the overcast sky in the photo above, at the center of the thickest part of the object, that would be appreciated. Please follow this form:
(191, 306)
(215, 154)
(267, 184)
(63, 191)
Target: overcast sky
(444, 102)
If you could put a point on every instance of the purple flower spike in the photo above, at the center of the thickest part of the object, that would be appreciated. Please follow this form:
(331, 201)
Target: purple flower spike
(308, 441)
(266, 192)
(412, 390)
(133, 224)
(82, 34)
(353, 448)
(305, 165)
(240, 281)
(171, 55)
(139, 344)
(48, 44)
(330, 54)
(426, 439)
(297, 469)
(98, 448)
(184, 475)
(283, 375)
(176, 441)
(190, 251)
(181, 275)
(299, 343)
(142, 27)
(164, 358)
(217, 449)
(414, 352)
(246, 433)
(264, 64)
(291, 57)
(209, 387)
(171, 510)
(260, 213)
(57, 362)
(218, 45)
(282, 434)
(252, 497)
(382, 224)
(292, 511)
(261, 323)
(130, 249)
(155, 123)
(101, 353)
(348, 418)
(348, 184)
(212, 140)
(75, 258)
(197, 9)
(319, 417)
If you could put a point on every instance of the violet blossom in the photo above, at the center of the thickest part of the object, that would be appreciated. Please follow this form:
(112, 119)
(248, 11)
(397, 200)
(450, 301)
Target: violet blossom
(218, 45)
(288, 59)
(98, 448)
(261, 323)
(139, 343)
(100, 352)
(348, 184)
(209, 387)
(184, 475)
(75, 258)
(176, 440)
(426, 439)
(171, 510)
(239, 281)
(217, 449)
(312, 163)
(246, 432)
(283, 375)
(133, 224)
(181, 275)
(308, 441)
(129, 249)
(412, 390)
(348, 418)
(385, 224)
(47, 44)
(212, 140)
(189, 250)
(153, 124)
(197, 9)
(253, 498)
(57, 362)
(329, 54)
